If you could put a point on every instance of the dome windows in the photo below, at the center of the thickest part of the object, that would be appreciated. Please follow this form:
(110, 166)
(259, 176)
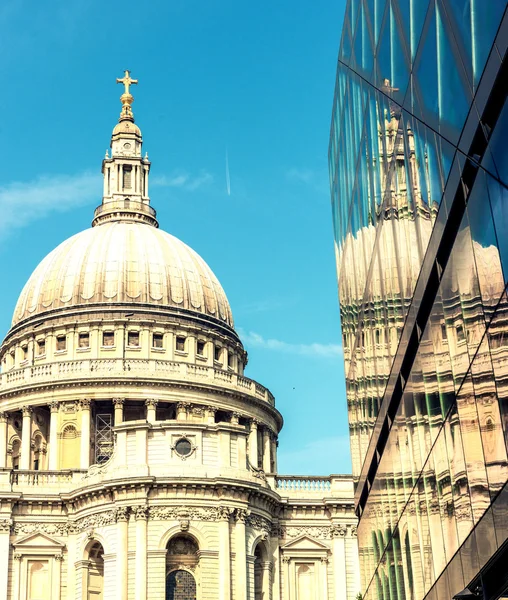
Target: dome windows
(200, 348)
(108, 339)
(180, 343)
(41, 347)
(217, 350)
(84, 340)
(133, 339)
(61, 343)
(158, 340)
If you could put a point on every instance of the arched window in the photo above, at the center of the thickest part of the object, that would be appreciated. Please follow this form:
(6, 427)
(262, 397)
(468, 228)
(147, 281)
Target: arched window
(93, 579)
(181, 563)
(261, 572)
(16, 451)
(70, 448)
(37, 456)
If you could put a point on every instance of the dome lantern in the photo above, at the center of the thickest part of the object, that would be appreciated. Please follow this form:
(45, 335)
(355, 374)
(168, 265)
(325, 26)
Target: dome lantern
(125, 195)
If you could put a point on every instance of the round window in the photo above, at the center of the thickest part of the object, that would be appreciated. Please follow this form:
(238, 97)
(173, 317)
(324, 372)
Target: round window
(183, 447)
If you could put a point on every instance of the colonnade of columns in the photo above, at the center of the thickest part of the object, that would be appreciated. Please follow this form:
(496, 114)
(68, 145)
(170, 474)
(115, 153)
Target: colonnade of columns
(269, 447)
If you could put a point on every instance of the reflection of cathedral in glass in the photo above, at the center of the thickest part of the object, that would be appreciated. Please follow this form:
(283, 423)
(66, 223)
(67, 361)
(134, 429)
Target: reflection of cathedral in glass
(418, 178)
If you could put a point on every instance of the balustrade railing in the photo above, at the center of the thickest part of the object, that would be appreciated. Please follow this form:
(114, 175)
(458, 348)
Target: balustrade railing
(122, 367)
(290, 483)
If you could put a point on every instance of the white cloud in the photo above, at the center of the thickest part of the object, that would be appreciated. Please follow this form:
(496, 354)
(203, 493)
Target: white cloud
(316, 180)
(24, 202)
(183, 180)
(303, 175)
(251, 338)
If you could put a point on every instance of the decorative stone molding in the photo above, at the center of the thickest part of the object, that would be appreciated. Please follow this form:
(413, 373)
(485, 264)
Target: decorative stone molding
(58, 557)
(27, 411)
(118, 402)
(121, 514)
(152, 402)
(241, 514)
(54, 406)
(224, 513)
(140, 513)
(260, 523)
(93, 521)
(285, 559)
(69, 407)
(235, 417)
(17, 556)
(85, 404)
(337, 530)
(354, 530)
(173, 513)
(5, 525)
(3, 417)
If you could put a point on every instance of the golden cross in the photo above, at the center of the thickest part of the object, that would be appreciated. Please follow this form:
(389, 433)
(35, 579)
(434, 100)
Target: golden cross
(127, 81)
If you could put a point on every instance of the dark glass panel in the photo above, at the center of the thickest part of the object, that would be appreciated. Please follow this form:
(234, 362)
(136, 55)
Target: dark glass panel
(498, 196)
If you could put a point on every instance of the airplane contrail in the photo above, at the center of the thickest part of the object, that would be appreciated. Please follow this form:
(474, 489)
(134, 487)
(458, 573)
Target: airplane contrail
(228, 181)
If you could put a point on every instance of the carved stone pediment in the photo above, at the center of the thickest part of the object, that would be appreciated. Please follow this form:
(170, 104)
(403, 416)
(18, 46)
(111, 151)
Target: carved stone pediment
(305, 542)
(36, 542)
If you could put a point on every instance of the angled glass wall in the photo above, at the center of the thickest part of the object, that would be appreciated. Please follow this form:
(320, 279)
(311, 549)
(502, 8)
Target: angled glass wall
(418, 176)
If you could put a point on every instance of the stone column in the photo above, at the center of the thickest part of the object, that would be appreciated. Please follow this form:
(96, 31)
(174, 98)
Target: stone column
(253, 443)
(3, 440)
(224, 554)
(122, 528)
(141, 551)
(85, 434)
(181, 411)
(285, 570)
(151, 409)
(53, 437)
(118, 405)
(267, 467)
(241, 553)
(339, 560)
(324, 578)
(210, 414)
(275, 443)
(5, 528)
(26, 434)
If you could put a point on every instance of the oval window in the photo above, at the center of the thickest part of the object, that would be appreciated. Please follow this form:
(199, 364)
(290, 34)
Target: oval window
(183, 447)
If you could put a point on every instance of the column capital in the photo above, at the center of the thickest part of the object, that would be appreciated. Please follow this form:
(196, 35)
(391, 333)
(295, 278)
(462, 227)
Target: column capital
(285, 559)
(140, 513)
(184, 405)
(241, 514)
(337, 531)
(27, 411)
(122, 514)
(85, 403)
(235, 417)
(151, 402)
(3, 417)
(54, 406)
(223, 513)
(118, 402)
(254, 423)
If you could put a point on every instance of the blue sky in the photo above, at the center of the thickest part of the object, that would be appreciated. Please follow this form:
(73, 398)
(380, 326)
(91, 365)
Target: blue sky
(255, 78)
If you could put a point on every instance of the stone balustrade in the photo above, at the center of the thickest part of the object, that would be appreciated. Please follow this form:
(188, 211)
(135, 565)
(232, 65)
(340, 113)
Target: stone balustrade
(305, 486)
(128, 368)
(45, 481)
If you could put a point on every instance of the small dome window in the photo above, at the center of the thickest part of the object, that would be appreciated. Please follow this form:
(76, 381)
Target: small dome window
(133, 339)
(84, 340)
(61, 343)
(41, 347)
(157, 340)
(180, 343)
(183, 447)
(200, 348)
(108, 338)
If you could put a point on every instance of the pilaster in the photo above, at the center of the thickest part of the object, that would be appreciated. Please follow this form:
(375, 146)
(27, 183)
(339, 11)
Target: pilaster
(122, 529)
(224, 554)
(141, 515)
(241, 553)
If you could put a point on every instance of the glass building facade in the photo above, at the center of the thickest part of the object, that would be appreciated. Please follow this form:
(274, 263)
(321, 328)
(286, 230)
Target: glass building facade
(418, 163)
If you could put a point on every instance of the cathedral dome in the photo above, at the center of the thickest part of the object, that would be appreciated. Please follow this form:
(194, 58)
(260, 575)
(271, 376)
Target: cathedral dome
(122, 262)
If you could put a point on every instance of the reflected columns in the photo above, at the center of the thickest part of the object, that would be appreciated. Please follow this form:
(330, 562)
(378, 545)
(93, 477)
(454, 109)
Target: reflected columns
(26, 434)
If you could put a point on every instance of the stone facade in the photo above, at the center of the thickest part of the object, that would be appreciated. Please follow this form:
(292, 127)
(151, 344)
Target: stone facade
(136, 459)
